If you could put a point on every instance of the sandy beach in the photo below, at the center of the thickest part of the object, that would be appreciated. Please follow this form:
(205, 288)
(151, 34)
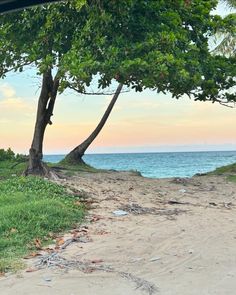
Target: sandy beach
(178, 237)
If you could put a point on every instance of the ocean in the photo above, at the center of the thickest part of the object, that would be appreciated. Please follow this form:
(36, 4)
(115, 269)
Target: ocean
(158, 165)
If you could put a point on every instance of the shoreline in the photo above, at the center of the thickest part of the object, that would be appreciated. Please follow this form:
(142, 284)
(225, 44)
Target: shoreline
(161, 165)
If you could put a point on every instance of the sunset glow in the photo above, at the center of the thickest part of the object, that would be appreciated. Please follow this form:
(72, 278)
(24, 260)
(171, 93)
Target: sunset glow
(139, 121)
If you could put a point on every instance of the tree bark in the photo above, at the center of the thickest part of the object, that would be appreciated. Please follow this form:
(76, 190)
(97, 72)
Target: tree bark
(44, 112)
(75, 156)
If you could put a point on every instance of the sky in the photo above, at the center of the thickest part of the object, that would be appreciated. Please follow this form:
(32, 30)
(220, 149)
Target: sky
(139, 122)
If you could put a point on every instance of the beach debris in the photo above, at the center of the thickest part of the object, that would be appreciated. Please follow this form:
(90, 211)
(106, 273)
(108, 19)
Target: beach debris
(47, 279)
(136, 209)
(88, 266)
(47, 260)
(101, 232)
(174, 202)
(38, 244)
(136, 259)
(97, 261)
(179, 180)
(228, 205)
(182, 190)
(79, 235)
(55, 260)
(120, 212)
(31, 269)
(81, 239)
(154, 259)
(95, 218)
(59, 242)
(140, 283)
(212, 204)
(32, 255)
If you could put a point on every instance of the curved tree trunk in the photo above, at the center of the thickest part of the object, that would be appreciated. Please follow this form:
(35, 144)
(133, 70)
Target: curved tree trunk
(44, 112)
(75, 156)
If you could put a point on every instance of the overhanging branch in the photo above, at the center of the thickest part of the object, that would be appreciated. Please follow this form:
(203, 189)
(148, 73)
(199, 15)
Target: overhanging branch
(5, 71)
(95, 93)
(225, 103)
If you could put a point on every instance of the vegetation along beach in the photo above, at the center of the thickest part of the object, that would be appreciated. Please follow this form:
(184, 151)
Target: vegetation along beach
(117, 147)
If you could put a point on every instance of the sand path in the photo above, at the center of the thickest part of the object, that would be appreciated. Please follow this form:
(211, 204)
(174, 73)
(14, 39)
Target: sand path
(168, 249)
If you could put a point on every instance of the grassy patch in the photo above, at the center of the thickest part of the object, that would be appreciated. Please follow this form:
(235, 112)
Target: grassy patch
(31, 208)
(232, 178)
(70, 170)
(8, 168)
(11, 163)
(229, 169)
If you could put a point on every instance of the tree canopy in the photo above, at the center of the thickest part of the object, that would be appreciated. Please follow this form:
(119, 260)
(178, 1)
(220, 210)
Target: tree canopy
(160, 45)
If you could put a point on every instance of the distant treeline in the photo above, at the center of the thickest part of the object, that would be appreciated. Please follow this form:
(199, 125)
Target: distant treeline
(9, 155)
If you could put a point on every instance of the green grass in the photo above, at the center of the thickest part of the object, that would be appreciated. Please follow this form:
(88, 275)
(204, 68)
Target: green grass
(7, 169)
(232, 178)
(31, 208)
(70, 170)
(228, 169)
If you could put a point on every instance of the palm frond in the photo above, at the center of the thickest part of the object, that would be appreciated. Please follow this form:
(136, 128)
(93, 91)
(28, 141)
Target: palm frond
(226, 35)
(227, 46)
(230, 3)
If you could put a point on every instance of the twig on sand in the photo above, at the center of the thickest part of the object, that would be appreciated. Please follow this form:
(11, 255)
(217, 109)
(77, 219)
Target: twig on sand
(141, 284)
(55, 260)
(137, 210)
(173, 202)
(81, 239)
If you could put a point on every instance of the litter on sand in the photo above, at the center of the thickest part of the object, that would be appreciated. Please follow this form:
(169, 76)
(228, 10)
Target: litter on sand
(120, 213)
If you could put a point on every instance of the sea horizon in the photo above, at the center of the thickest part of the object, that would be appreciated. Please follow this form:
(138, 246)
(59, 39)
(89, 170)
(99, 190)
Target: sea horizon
(145, 152)
(157, 164)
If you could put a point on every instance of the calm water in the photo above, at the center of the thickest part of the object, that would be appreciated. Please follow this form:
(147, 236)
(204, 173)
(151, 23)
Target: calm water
(158, 165)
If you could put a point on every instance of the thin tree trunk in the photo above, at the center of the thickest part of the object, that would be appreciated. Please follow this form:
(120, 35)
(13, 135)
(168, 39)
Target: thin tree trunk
(75, 156)
(44, 112)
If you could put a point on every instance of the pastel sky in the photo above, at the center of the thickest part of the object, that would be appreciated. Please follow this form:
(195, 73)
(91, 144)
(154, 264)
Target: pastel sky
(139, 122)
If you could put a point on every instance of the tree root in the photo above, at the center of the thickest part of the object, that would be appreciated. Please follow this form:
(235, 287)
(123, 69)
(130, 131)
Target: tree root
(43, 171)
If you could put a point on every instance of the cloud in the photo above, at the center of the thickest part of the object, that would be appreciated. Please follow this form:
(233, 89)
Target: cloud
(7, 91)
(15, 104)
(14, 108)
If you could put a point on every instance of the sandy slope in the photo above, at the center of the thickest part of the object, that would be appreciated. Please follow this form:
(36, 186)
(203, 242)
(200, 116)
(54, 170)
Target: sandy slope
(170, 249)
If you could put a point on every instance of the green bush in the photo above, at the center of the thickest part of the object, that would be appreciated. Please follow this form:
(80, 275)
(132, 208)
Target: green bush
(9, 155)
(6, 155)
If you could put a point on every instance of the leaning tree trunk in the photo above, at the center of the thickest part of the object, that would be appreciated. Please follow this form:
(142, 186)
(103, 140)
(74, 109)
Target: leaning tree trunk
(75, 156)
(44, 112)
